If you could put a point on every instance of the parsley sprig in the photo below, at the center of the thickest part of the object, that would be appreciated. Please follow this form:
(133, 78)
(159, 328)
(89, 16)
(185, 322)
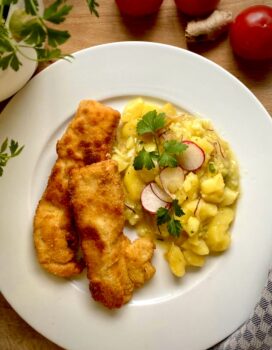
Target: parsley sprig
(8, 150)
(27, 27)
(166, 153)
(168, 216)
(93, 5)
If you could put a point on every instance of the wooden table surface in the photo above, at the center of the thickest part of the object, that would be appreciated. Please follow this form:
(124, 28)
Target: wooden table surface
(165, 27)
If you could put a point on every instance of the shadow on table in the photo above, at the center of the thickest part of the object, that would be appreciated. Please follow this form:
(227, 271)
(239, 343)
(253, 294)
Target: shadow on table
(138, 27)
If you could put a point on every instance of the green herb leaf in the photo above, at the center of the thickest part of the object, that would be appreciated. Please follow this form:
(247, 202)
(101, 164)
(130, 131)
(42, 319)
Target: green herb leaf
(174, 147)
(31, 6)
(151, 122)
(5, 45)
(93, 7)
(57, 37)
(162, 216)
(14, 150)
(34, 33)
(174, 227)
(167, 160)
(3, 159)
(55, 13)
(51, 54)
(167, 215)
(29, 26)
(10, 60)
(4, 146)
(18, 151)
(9, 2)
(144, 159)
(177, 208)
(13, 146)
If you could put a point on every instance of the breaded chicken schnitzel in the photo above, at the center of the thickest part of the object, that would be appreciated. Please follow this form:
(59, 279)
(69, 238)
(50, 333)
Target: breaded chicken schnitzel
(88, 139)
(115, 266)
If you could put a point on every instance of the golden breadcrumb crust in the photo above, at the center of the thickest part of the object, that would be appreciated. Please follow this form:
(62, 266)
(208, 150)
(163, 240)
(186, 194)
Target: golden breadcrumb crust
(115, 266)
(88, 139)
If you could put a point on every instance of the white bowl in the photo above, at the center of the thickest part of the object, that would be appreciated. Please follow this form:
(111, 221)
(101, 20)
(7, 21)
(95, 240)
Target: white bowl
(10, 80)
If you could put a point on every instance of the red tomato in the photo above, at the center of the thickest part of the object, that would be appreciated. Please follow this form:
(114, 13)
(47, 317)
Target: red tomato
(251, 33)
(138, 7)
(196, 7)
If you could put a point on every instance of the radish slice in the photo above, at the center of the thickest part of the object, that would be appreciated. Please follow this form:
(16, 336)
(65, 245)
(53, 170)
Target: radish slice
(193, 157)
(172, 179)
(150, 201)
(161, 194)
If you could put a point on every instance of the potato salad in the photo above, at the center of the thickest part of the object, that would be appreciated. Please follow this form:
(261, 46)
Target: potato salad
(181, 182)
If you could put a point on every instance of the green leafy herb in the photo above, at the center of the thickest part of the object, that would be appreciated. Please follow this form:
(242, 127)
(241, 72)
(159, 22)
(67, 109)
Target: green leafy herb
(167, 160)
(174, 147)
(57, 12)
(34, 33)
(165, 154)
(57, 37)
(165, 215)
(29, 26)
(8, 151)
(144, 159)
(10, 60)
(93, 7)
(174, 227)
(151, 122)
(31, 6)
(9, 2)
(177, 208)
(50, 54)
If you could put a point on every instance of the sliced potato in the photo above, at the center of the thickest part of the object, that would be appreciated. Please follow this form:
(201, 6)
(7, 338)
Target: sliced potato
(176, 260)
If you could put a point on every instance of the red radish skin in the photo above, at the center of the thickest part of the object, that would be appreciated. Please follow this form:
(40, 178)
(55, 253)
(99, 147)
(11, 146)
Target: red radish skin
(150, 202)
(193, 157)
(171, 178)
(161, 194)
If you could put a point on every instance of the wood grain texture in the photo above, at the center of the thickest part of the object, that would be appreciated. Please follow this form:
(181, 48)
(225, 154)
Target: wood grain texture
(165, 27)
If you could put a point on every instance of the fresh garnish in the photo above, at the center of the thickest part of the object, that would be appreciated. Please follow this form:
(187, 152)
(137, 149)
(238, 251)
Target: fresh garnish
(151, 122)
(165, 154)
(28, 26)
(171, 179)
(145, 159)
(8, 150)
(160, 193)
(150, 201)
(93, 5)
(168, 216)
(193, 158)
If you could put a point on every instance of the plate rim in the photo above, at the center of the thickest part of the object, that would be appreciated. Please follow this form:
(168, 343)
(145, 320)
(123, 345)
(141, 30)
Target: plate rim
(138, 44)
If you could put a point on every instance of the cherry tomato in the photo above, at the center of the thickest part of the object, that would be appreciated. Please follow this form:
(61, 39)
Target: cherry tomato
(196, 7)
(251, 33)
(138, 7)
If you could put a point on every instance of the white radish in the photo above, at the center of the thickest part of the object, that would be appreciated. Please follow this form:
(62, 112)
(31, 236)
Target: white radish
(193, 157)
(172, 179)
(150, 201)
(161, 194)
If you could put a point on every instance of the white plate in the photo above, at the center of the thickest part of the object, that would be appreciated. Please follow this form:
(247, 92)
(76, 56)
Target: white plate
(191, 313)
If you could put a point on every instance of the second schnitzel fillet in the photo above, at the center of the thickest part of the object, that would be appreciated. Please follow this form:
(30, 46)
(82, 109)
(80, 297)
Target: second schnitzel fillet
(115, 266)
(88, 139)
